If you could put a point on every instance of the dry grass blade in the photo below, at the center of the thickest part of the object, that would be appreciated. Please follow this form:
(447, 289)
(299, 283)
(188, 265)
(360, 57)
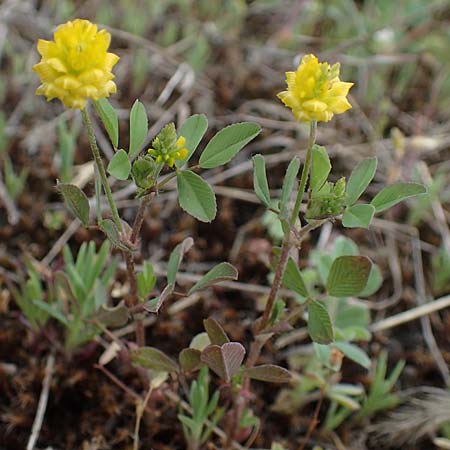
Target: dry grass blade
(42, 405)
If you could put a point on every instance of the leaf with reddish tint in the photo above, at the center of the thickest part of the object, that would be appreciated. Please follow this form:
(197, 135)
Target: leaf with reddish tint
(224, 360)
(269, 373)
(113, 317)
(216, 333)
(190, 359)
(152, 358)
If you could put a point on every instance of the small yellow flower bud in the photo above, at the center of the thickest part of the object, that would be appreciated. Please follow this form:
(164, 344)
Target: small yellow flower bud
(167, 147)
(181, 142)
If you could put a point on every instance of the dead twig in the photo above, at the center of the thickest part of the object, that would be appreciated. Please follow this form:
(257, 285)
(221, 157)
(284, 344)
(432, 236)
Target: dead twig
(425, 320)
(42, 405)
(11, 210)
(411, 314)
(140, 408)
(314, 421)
(171, 396)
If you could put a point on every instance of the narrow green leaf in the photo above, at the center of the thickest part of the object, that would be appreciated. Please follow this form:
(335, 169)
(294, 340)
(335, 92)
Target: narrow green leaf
(292, 278)
(348, 275)
(320, 168)
(52, 311)
(76, 201)
(222, 272)
(260, 183)
(344, 400)
(138, 128)
(193, 129)
(120, 166)
(195, 196)
(288, 185)
(227, 143)
(152, 358)
(319, 323)
(146, 280)
(176, 257)
(358, 216)
(109, 119)
(360, 178)
(354, 353)
(391, 195)
(189, 423)
(348, 389)
(269, 373)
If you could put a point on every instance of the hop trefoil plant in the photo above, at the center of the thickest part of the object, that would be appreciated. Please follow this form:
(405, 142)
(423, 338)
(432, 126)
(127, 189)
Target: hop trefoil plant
(76, 68)
(315, 94)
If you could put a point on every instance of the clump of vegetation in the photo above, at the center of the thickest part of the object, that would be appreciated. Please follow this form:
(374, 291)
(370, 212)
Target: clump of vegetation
(106, 291)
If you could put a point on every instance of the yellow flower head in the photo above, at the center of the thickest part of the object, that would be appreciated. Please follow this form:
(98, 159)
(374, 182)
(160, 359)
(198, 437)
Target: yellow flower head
(314, 91)
(167, 148)
(76, 66)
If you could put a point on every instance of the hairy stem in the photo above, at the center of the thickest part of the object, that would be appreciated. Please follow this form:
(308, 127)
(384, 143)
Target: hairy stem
(139, 219)
(305, 172)
(132, 299)
(287, 238)
(276, 283)
(101, 168)
(256, 347)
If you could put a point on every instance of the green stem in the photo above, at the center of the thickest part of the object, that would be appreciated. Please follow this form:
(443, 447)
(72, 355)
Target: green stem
(168, 178)
(100, 167)
(305, 172)
(133, 299)
(256, 347)
(287, 238)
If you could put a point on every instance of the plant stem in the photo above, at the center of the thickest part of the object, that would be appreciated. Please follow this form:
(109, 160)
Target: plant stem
(140, 408)
(132, 299)
(287, 237)
(255, 348)
(139, 219)
(101, 168)
(314, 422)
(276, 283)
(168, 178)
(305, 172)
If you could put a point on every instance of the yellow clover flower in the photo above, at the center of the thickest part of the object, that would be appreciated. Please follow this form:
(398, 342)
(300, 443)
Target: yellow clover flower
(315, 92)
(76, 66)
